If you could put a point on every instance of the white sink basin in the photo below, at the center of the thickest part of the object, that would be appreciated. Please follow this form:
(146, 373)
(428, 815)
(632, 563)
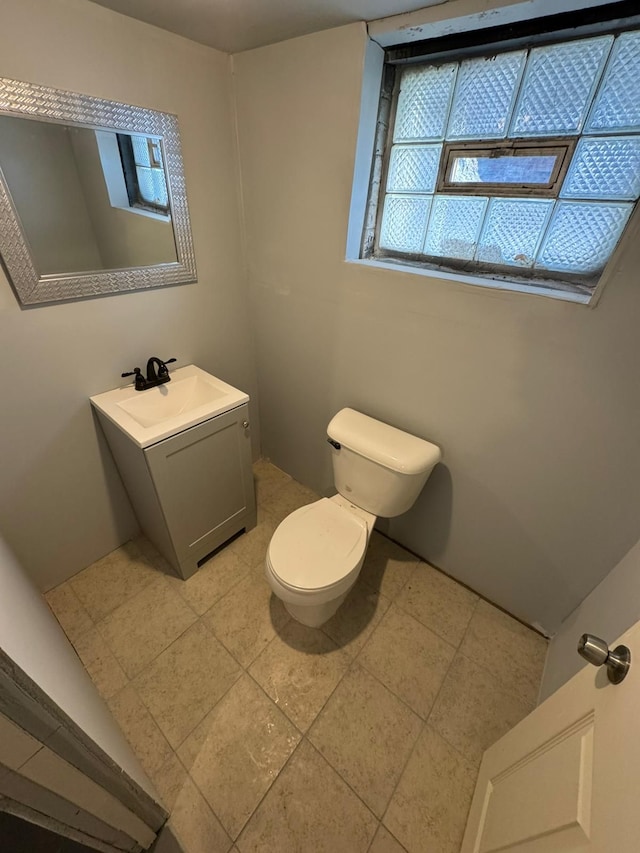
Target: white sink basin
(191, 397)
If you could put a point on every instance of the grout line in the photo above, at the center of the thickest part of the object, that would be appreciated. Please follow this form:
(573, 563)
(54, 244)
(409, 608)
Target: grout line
(304, 736)
(348, 784)
(271, 784)
(402, 772)
(446, 675)
(388, 831)
(505, 688)
(464, 585)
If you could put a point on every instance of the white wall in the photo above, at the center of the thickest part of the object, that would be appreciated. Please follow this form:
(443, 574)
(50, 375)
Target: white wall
(61, 502)
(608, 611)
(535, 402)
(31, 637)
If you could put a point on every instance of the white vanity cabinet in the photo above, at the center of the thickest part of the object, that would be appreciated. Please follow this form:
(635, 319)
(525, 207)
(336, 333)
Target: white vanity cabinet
(192, 491)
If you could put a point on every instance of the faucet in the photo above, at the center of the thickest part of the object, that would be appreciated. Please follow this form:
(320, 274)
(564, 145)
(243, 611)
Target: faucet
(162, 374)
(154, 377)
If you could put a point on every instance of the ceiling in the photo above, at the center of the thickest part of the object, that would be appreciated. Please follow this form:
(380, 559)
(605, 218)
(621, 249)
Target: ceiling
(235, 25)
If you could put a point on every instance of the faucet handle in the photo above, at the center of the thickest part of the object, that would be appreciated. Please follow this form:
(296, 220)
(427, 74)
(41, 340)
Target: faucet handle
(163, 370)
(140, 381)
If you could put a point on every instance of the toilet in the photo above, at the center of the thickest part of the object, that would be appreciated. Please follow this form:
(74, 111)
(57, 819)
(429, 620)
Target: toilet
(316, 553)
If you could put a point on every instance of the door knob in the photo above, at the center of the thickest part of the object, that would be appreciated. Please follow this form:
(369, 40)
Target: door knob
(596, 651)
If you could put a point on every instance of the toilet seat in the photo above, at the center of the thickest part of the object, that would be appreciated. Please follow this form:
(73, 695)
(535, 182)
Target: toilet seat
(317, 547)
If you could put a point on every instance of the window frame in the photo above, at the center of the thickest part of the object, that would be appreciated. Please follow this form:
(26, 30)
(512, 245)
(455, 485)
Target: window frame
(563, 27)
(130, 173)
(563, 147)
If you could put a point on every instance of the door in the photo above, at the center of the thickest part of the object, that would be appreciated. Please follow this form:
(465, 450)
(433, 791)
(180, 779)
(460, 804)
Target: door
(567, 778)
(204, 482)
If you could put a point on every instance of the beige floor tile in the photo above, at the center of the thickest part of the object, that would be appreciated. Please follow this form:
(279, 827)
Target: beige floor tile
(408, 658)
(428, 811)
(384, 842)
(247, 618)
(438, 602)
(268, 479)
(105, 671)
(299, 670)
(367, 735)
(212, 580)
(195, 825)
(141, 628)
(309, 808)
(68, 610)
(493, 635)
(387, 566)
(472, 710)
(252, 546)
(109, 582)
(288, 498)
(263, 516)
(139, 728)
(183, 684)
(169, 779)
(240, 749)
(153, 556)
(356, 618)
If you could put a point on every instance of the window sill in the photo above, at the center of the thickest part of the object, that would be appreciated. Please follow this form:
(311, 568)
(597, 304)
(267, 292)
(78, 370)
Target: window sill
(140, 211)
(490, 282)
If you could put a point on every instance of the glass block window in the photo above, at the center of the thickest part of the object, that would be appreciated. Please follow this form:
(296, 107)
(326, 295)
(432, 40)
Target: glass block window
(523, 163)
(147, 153)
(143, 170)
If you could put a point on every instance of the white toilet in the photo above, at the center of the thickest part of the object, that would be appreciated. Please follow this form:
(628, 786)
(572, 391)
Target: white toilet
(316, 553)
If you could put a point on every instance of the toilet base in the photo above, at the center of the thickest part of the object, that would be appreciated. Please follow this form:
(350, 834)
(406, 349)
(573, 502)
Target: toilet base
(315, 615)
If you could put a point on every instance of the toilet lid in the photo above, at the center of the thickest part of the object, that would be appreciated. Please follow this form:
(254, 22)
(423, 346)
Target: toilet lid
(317, 546)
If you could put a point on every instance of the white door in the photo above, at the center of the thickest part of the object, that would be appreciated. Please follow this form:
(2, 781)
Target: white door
(567, 778)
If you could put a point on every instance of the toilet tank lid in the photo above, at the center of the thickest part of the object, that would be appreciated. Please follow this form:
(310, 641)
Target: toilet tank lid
(384, 444)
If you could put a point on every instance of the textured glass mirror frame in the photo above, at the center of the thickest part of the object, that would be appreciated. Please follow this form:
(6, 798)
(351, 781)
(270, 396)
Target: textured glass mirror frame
(27, 100)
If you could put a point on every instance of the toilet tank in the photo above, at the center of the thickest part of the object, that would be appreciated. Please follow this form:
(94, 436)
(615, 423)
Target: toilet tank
(376, 466)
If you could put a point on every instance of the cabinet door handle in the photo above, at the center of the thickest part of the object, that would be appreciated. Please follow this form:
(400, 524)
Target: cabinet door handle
(245, 424)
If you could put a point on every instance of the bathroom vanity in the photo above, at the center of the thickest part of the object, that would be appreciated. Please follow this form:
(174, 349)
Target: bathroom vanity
(183, 451)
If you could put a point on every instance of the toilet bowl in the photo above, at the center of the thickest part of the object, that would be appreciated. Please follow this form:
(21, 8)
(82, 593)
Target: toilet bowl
(316, 553)
(315, 557)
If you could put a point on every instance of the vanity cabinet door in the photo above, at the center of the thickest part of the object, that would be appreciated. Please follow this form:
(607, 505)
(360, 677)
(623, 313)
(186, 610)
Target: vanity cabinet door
(204, 481)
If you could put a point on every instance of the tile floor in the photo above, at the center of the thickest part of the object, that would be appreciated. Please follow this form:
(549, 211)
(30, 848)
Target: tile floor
(263, 735)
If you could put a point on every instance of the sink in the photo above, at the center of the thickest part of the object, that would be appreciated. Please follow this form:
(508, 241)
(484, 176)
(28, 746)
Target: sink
(191, 397)
(177, 397)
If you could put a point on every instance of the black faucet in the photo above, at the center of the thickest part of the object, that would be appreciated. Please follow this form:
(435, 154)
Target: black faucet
(154, 377)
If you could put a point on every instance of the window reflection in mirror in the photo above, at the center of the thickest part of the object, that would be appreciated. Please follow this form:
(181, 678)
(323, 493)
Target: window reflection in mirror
(77, 208)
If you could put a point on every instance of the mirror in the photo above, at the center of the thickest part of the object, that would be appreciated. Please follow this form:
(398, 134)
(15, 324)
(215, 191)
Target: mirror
(92, 196)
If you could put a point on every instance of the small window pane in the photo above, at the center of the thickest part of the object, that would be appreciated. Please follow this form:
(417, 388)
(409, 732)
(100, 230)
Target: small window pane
(423, 103)
(484, 96)
(604, 168)
(558, 87)
(145, 183)
(155, 152)
(140, 150)
(582, 236)
(617, 106)
(413, 168)
(404, 222)
(454, 226)
(513, 230)
(503, 170)
(160, 188)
